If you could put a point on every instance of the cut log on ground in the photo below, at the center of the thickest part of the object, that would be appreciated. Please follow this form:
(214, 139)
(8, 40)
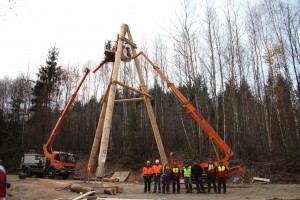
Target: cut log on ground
(112, 190)
(261, 180)
(78, 188)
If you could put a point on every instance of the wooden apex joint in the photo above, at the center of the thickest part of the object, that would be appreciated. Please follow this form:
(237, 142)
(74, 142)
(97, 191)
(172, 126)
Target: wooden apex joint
(128, 41)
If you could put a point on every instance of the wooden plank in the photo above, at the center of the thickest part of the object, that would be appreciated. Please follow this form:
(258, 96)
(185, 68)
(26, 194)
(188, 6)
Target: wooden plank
(129, 100)
(121, 176)
(133, 89)
(129, 42)
(266, 180)
(84, 195)
(100, 198)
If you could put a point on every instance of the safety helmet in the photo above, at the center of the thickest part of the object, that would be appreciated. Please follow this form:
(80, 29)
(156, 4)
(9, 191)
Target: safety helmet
(156, 161)
(148, 162)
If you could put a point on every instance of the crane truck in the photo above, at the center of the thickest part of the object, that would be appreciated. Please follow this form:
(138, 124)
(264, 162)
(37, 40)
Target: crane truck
(52, 163)
(212, 134)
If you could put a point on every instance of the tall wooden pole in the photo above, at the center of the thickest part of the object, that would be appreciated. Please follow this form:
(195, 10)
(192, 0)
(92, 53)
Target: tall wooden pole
(110, 106)
(98, 134)
(159, 143)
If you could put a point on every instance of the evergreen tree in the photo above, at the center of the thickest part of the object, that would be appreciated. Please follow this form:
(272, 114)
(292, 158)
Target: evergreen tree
(48, 80)
(45, 91)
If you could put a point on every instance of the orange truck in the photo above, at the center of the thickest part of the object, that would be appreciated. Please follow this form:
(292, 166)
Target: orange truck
(52, 163)
(212, 134)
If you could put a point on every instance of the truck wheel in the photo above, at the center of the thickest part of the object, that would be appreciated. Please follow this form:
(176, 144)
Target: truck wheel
(27, 172)
(51, 173)
(66, 176)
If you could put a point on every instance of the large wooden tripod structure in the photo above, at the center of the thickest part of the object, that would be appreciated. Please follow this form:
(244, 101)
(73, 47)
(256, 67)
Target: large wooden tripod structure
(105, 119)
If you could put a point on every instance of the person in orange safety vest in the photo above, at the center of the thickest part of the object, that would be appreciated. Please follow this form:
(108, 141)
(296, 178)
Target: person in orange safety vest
(157, 170)
(222, 172)
(147, 174)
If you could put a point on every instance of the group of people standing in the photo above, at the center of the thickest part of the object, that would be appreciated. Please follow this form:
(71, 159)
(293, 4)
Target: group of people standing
(166, 176)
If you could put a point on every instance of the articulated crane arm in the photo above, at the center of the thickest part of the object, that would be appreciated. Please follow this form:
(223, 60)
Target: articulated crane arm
(212, 134)
(48, 146)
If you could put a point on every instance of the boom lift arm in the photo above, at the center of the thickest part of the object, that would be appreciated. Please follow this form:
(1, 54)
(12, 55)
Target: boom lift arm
(212, 134)
(48, 146)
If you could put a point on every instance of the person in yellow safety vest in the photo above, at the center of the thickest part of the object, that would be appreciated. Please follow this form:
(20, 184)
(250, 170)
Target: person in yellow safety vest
(222, 172)
(187, 175)
(157, 169)
(176, 174)
(147, 174)
(211, 175)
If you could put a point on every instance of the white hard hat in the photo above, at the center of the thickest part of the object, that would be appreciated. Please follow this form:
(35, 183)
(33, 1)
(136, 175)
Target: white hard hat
(156, 161)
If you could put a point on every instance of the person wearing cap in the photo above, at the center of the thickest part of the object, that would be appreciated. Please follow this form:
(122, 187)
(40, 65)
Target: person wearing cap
(211, 175)
(147, 174)
(187, 175)
(197, 172)
(222, 171)
(156, 170)
(166, 179)
(176, 174)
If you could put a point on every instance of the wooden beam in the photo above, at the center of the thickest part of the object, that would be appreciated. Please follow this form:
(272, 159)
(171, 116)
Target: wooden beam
(129, 100)
(133, 89)
(155, 129)
(97, 138)
(110, 106)
(90, 193)
(129, 42)
(262, 180)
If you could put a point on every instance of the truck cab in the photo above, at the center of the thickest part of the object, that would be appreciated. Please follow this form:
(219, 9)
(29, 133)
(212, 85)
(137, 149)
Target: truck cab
(60, 164)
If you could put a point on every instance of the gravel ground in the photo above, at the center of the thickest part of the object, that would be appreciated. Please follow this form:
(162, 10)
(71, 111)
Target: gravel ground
(36, 189)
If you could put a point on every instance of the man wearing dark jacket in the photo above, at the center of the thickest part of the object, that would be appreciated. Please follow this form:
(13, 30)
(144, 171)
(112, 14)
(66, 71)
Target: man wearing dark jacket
(197, 173)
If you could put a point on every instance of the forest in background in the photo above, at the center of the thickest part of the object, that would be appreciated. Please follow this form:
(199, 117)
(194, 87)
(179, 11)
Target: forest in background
(239, 66)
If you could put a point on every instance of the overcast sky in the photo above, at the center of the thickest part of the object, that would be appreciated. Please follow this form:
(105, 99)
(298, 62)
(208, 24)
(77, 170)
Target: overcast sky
(79, 28)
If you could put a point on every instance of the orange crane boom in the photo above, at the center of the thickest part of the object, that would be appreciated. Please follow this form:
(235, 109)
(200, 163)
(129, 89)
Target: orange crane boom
(48, 146)
(191, 110)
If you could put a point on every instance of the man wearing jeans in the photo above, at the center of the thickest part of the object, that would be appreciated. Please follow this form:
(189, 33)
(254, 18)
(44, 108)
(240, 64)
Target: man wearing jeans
(187, 175)
(156, 170)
